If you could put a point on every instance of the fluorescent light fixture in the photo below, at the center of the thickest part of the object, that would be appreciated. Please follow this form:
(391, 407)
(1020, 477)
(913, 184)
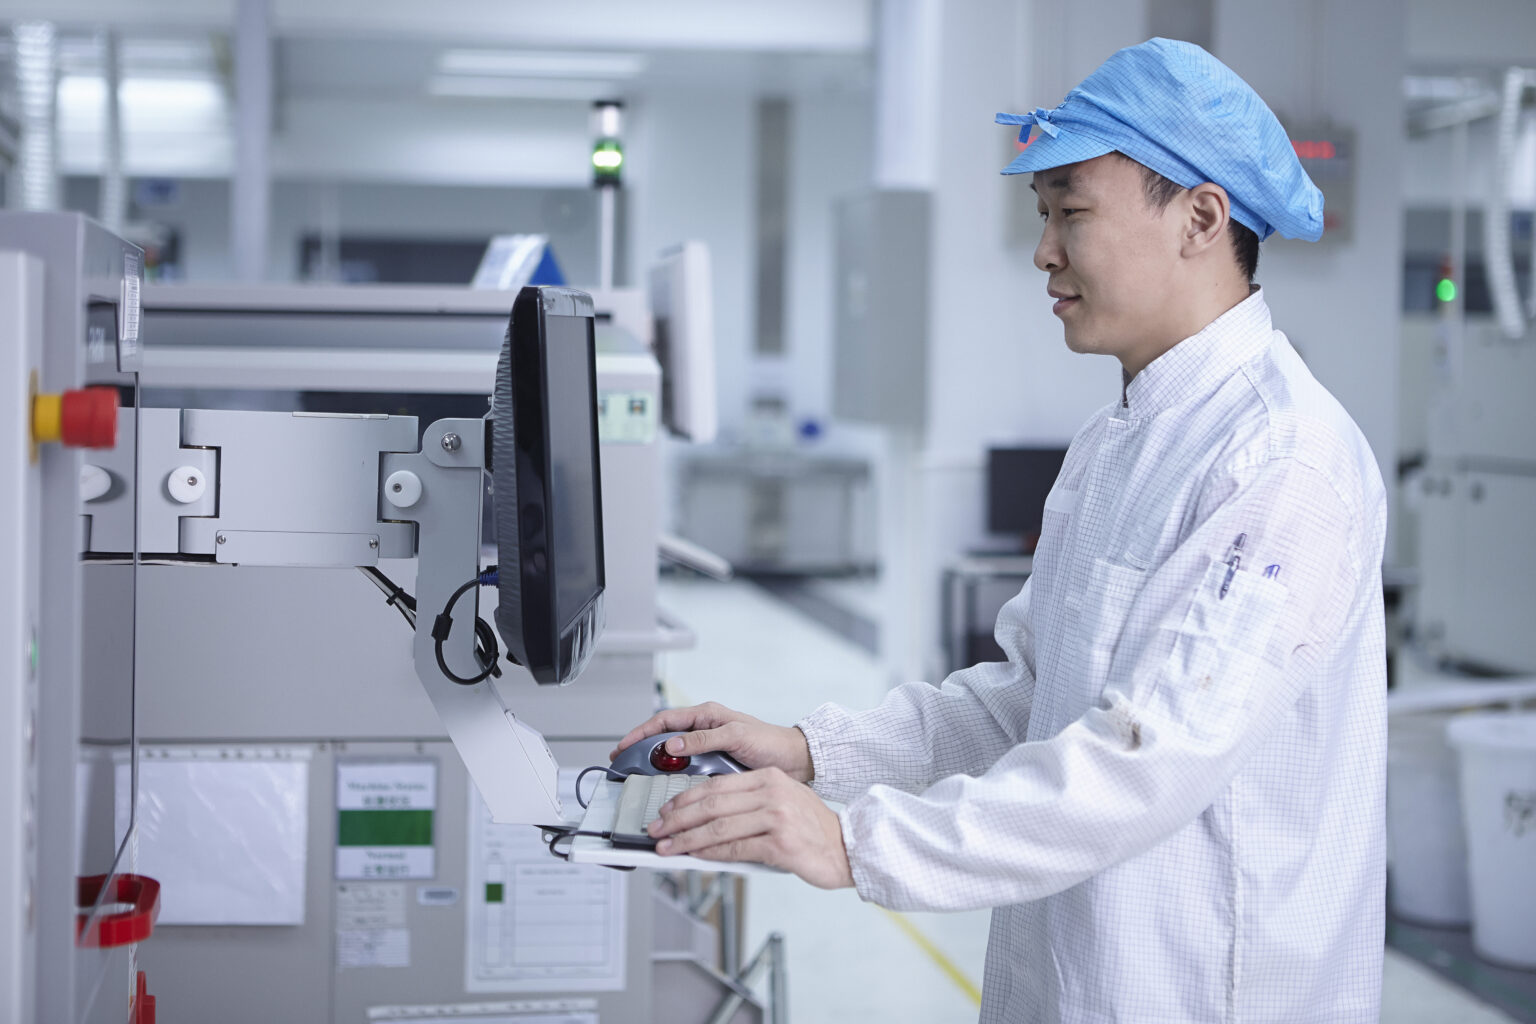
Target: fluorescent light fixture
(1442, 88)
(540, 64)
(486, 87)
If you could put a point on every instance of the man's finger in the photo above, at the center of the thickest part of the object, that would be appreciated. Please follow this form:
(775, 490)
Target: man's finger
(670, 720)
(715, 832)
(753, 848)
(706, 803)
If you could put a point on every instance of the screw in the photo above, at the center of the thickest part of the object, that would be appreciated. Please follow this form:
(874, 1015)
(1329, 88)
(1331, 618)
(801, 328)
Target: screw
(450, 442)
(191, 481)
(220, 538)
(397, 488)
(373, 542)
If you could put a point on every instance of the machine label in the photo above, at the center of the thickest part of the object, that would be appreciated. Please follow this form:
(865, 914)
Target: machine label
(626, 417)
(370, 926)
(384, 814)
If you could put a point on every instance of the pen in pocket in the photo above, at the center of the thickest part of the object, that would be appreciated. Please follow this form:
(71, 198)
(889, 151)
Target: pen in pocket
(1234, 559)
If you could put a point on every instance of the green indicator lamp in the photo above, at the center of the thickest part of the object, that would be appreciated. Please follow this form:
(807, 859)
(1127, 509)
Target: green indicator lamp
(1445, 290)
(607, 162)
(608, 150)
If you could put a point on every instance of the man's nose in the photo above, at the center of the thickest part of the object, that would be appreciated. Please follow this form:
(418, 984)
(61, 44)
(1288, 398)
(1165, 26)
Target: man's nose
(1048, 254)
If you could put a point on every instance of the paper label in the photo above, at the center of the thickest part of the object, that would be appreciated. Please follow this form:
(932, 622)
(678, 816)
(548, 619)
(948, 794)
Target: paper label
(627, 417)
(370, 926)
(384, 819)
(373, 947)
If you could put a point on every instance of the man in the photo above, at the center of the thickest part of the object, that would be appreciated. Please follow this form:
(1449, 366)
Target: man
(1172, 791)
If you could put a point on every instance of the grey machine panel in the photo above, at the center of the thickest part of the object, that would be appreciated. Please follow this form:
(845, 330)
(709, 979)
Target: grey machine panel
(90, 292)
(259, 974)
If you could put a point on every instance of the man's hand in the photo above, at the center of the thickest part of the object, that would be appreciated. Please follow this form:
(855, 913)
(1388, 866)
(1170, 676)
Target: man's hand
(762, 816)
(754, 743)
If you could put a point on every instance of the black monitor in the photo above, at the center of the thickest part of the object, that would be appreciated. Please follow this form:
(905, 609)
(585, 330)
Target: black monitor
(547, 485)
(1018, 479)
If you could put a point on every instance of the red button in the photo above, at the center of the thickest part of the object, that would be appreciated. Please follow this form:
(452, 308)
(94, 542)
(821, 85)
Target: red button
(88, 418)
(665, 762)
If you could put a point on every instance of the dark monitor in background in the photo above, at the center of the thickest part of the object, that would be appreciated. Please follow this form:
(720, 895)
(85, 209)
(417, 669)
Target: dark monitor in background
(1018, 479)
(548, 489)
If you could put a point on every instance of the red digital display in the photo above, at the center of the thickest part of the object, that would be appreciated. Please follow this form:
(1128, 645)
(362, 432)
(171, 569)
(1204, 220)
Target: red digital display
(1314, 149)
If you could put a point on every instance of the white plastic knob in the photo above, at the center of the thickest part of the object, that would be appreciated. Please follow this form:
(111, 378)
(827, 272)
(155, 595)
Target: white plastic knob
(95, 482)
(186, 484)
(402, 488)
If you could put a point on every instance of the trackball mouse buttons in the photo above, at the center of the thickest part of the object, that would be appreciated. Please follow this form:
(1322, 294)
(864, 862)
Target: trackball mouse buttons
(665, 762)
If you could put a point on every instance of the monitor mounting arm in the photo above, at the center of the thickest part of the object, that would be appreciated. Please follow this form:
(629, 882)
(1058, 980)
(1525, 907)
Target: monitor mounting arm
(271, 488)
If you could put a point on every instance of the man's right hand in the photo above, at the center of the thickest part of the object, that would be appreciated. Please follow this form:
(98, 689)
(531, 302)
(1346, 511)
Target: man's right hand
(707, 727)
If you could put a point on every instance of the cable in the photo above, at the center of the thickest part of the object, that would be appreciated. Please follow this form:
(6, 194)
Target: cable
(553, 835)
(397, 595)
(584, 773)
(487, 650)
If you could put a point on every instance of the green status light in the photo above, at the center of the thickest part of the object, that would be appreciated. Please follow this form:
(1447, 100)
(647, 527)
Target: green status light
(1445, 290)
(607, 161)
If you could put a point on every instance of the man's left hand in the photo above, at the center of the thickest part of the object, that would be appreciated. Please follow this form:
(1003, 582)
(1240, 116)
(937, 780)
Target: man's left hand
(762, 816)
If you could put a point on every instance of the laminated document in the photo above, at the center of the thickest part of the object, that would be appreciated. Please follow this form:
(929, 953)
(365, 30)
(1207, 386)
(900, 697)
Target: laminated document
(536, 923)
(224, 830)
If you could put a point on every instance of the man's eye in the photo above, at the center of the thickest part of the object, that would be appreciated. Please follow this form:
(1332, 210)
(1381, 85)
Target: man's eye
(1068, 212)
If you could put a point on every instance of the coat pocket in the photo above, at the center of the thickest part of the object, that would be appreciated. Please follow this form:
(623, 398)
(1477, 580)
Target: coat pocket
(1218, 652)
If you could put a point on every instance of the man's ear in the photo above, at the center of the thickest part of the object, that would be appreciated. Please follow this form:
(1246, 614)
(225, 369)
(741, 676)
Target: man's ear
(1208, 211)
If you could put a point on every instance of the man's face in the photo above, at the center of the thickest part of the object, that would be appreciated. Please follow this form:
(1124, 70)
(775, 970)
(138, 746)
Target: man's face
(1111, 258)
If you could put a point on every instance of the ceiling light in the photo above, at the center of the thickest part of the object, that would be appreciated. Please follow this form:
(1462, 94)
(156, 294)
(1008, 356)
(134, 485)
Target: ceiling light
(520, 88)
(541, 63)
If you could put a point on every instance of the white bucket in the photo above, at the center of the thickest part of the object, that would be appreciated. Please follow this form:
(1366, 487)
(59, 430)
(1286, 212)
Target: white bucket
(1498, 799)
(1424, 835)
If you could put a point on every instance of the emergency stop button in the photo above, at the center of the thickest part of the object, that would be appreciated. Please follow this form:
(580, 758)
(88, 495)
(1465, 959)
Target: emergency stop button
(83, 418)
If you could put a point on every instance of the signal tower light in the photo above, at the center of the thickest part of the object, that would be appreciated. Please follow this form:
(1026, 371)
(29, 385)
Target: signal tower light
(608, 150)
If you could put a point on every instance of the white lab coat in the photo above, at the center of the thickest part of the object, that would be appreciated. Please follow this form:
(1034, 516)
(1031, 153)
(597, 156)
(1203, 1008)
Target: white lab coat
(1171, 796)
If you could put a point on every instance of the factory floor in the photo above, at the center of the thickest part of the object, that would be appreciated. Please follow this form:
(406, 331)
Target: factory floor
(849, 961)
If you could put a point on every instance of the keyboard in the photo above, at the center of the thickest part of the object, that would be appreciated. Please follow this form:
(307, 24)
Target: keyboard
(640, 804)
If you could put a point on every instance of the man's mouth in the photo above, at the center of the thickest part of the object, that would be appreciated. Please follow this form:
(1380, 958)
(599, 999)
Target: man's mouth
(1063, 302)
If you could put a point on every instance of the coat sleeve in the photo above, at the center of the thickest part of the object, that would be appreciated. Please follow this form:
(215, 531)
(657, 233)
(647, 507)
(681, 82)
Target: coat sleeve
(921, 733)
(1203, 670)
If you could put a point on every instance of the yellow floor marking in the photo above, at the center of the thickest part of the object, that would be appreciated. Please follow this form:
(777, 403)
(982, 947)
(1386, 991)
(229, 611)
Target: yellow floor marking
(937, 955)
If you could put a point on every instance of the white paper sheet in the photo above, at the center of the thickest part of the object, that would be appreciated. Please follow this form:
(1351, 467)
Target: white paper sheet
(224, 830)
(534, 922)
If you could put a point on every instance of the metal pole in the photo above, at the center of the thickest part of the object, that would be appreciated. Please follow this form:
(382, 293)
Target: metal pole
(605, 237)
(36, 62)
(114, 184)
(730, 939)
(778, 980)
(251, 180)
(740, 990)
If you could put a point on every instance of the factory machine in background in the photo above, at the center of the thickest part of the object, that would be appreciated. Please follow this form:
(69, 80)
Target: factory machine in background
(267, 756)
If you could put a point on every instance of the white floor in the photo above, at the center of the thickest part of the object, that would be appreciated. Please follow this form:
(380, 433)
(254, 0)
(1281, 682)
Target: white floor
(849, 961)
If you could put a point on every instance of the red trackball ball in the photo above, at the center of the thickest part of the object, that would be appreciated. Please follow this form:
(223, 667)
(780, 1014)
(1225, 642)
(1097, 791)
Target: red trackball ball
(665, 762)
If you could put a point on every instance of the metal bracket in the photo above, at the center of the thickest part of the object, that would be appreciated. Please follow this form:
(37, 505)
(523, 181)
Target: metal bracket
(511, 764)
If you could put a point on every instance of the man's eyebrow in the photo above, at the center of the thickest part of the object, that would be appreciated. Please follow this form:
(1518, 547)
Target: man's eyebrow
(1061, 181)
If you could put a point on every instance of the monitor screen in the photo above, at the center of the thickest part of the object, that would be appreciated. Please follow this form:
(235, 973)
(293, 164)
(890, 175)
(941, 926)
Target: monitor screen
(548, 485)
(1018, 479)
(573, 466)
